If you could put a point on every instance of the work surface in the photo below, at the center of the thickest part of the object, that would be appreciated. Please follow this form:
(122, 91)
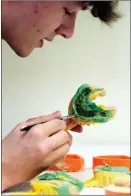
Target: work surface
(84, 175)
(88, 153)
(87, 174)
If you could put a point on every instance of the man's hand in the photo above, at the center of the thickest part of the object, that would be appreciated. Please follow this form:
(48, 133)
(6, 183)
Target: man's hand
(26, 154)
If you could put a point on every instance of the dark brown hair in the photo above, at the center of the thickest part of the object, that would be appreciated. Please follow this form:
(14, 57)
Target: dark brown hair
(106, 11)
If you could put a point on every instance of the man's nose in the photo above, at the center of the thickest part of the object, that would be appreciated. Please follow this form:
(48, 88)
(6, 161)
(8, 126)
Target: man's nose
(66, 29)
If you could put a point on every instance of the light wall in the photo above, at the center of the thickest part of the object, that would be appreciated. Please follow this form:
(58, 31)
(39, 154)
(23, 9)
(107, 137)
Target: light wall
(46, 80)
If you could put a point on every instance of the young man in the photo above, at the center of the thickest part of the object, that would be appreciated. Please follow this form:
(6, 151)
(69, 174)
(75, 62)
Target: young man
(25, 26)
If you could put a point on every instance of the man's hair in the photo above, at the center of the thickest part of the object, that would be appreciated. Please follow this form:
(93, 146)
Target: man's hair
(105, 10)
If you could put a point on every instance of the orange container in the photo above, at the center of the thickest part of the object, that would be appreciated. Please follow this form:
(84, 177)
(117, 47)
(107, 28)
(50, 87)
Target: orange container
(115, 191)
(71, 163)
(112, 160)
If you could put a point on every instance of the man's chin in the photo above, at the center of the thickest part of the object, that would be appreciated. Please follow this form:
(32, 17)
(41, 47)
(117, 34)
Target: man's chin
(23, 53)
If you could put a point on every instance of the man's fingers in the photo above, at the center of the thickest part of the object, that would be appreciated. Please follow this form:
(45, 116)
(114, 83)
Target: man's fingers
(49, 128)
(58, 139)
(57, 154)
(44, 118)
(70, 139)
(39, 119)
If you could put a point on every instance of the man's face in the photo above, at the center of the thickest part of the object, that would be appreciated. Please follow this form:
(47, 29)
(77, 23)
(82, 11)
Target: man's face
(34, 22)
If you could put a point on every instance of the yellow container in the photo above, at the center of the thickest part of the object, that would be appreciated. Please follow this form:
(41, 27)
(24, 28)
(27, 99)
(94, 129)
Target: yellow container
(103, 178)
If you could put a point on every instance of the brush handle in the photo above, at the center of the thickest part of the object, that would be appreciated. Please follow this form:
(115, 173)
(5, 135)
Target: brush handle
(28, 127)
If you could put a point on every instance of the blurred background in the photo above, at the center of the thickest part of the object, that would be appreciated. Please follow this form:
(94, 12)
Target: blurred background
(46, 80)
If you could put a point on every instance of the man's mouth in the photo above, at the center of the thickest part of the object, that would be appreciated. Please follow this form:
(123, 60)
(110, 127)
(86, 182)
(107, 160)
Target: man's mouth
(42, 41)
(48, 39)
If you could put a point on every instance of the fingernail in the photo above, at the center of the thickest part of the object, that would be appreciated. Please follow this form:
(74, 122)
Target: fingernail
(56, 112)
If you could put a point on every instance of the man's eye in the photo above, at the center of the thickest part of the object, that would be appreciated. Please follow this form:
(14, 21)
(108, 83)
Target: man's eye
(67, 12)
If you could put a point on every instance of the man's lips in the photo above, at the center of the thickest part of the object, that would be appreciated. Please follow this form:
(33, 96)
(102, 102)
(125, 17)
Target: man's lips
(49, 39)
(42, 41)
